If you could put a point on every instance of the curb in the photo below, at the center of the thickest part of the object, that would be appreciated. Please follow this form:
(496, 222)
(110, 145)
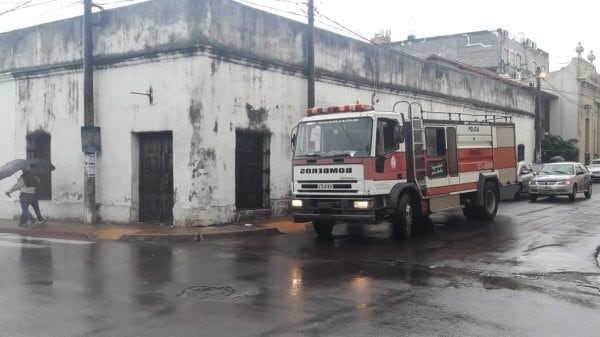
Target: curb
(141, 237)
(157, 238)
(48, 233)
(237, 234)
(175, 238)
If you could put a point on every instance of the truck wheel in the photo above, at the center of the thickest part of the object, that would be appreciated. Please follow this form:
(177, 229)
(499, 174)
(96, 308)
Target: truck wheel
(323, 228)
(404, 217)
(470, 213)
(588, 193)
(490, 201)
(532, 197)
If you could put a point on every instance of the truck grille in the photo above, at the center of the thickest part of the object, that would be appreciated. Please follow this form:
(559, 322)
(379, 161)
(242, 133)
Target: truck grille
(327, 186)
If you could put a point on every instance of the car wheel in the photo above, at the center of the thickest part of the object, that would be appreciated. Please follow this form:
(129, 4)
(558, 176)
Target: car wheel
(323, 228)
(532, 197)
(588, 193)
(573, 194)
(519, 192)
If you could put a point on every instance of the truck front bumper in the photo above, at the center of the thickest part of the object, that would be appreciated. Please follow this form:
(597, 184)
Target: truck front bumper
(330, 209)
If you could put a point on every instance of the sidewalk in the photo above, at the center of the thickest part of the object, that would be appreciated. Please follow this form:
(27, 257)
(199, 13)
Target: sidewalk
(154, 232)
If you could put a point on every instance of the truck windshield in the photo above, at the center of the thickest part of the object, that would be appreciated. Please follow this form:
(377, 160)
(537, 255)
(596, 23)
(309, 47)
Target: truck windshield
(335, 138)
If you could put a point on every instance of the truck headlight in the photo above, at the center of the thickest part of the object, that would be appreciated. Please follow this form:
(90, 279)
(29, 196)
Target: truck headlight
(363, 204)
(296, 203)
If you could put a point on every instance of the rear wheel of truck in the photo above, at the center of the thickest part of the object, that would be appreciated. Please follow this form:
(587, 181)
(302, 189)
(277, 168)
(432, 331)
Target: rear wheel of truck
(491, 198)
(323, 228)
(470, 213)
(405, 218)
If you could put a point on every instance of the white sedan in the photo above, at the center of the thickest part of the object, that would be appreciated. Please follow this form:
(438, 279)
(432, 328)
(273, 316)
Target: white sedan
(565, 178)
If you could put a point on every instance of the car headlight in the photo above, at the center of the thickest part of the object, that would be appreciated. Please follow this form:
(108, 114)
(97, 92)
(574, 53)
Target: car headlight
(531, 182)
(296, 203)
(563, 182)
(363, 204)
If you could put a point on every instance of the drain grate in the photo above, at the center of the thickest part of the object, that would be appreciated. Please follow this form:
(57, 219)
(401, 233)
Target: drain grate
(208, 293)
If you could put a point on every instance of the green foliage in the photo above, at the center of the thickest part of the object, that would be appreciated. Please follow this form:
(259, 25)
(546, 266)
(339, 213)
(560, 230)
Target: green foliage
(556, 146)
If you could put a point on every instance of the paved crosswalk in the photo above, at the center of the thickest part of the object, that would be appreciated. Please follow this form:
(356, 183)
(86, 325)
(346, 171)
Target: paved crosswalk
(19, 241)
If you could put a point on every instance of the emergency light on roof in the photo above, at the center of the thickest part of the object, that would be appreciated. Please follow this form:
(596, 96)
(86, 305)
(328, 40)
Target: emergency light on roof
(339, 108)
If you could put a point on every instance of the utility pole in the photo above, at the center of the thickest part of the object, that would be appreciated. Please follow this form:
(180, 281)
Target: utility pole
(311, 54)
(90, 215)
(538, 118)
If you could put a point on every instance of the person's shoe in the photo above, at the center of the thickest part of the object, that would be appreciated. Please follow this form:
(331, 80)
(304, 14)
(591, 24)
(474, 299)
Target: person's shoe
(43, 221)
(33, 224)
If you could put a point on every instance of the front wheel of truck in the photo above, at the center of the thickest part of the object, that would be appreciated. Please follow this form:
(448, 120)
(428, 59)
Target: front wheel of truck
(406, 217)
(323, 228)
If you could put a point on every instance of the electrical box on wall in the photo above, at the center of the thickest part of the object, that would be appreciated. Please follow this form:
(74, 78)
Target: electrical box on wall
(90, 139)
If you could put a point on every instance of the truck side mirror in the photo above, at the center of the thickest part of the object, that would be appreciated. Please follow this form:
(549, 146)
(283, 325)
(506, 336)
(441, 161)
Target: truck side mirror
(293, 138)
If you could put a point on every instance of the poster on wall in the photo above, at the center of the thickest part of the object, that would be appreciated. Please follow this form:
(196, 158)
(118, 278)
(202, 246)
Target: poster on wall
(89, 165)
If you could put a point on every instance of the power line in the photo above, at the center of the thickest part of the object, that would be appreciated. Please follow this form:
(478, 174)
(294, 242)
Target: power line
(563, 95)
(257, 5)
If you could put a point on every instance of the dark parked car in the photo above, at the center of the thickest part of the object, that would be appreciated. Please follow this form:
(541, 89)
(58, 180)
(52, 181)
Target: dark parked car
(565, 178)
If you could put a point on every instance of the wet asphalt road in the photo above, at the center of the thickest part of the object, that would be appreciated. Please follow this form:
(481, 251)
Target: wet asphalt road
(532, 272)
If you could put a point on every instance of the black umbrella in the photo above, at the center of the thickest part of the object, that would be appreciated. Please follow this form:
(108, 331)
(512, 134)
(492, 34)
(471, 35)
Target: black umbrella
(38, 166)
(556, 159)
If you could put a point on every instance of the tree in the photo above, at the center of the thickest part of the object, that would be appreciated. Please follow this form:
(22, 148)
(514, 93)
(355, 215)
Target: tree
(556, 146)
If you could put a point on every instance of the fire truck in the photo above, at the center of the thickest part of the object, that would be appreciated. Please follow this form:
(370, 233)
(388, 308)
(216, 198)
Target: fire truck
(354, 164)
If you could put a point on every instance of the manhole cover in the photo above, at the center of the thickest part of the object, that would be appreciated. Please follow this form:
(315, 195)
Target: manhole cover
(207, 293)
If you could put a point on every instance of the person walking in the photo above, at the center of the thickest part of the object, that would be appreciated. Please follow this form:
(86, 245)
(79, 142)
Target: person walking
(27, 185)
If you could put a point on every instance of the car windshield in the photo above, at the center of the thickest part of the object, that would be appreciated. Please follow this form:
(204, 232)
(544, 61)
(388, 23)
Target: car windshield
(333, 138)
(566, 169)
(595, 163)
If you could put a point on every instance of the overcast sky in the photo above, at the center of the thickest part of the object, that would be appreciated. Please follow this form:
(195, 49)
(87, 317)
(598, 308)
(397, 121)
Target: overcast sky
(556, 26)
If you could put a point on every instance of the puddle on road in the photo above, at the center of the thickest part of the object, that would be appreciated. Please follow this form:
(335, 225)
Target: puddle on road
(208, 293)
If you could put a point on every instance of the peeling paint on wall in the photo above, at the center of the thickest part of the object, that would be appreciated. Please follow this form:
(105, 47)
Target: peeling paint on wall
(24, 90)
(195, 113)
(201, 159)
(256, 117)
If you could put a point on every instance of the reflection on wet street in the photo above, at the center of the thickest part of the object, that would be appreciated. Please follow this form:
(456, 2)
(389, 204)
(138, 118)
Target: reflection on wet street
(533, 271)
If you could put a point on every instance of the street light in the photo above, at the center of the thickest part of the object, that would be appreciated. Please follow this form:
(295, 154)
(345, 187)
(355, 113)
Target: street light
(539, 74)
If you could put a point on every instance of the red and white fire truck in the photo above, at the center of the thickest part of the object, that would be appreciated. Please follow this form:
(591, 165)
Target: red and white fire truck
(354, 164)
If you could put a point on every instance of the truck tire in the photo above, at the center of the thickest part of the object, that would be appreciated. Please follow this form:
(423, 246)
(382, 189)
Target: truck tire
(323, 228)
(491, 198)
(471, 213)
(404, 220)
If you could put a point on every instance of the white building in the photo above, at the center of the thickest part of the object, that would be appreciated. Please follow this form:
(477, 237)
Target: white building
(228, 84)
(575, 114)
